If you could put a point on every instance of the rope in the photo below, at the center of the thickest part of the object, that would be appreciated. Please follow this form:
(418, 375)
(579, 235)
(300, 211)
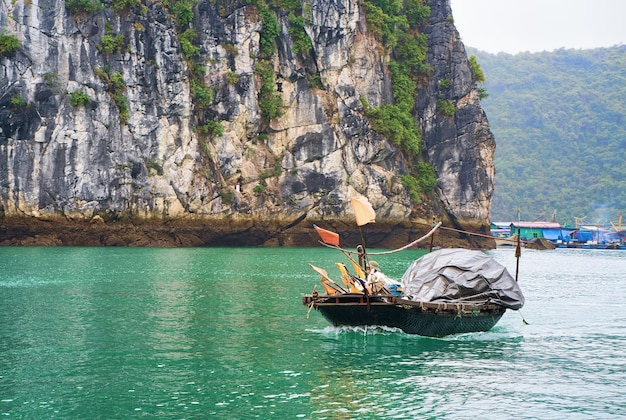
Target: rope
(463, 231)
(314, 296)
(429, 234)
(523, 320)
(432, 231)
(309, 310)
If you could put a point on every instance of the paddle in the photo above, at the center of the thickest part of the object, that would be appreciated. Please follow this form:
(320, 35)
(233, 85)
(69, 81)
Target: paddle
(331, 286)
(348, 278)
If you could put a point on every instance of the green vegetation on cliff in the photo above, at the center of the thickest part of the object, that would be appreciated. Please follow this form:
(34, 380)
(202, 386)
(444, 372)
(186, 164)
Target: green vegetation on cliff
(397, 28)
(559, 119)
(8, 44)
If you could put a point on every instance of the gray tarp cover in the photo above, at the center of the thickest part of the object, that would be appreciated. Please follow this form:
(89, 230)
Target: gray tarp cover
(461, 276)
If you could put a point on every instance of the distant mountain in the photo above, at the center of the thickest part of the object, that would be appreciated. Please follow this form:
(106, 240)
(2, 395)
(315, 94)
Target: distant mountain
(559, 119)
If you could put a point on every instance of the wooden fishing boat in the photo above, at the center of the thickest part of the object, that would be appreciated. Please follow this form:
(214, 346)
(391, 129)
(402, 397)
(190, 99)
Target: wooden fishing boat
(448, 291)
(422, 318)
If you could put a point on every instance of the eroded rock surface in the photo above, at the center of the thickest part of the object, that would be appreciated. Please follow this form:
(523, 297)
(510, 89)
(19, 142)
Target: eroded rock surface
(148, 175)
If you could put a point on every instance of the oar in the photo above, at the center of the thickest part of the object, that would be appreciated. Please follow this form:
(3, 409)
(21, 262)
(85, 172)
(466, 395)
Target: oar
(325, 277)
(348, 278)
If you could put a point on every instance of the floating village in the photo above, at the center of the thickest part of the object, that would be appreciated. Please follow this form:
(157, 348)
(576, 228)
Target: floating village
(554, 235)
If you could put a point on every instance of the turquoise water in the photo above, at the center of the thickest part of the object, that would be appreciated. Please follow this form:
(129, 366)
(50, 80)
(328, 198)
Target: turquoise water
(104, 333)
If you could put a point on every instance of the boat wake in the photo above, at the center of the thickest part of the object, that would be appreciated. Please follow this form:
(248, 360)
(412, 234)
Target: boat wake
(331, 331)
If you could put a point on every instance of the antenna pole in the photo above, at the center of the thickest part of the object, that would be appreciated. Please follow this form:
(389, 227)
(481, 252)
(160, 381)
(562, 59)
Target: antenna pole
(363, 260)
(518, 254)
(432, 238)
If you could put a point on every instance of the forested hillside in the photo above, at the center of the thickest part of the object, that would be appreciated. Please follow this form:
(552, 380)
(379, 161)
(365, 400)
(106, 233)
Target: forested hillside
(559, 119)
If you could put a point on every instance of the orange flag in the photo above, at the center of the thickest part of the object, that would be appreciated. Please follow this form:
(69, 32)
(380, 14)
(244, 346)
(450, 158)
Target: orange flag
(363, 211)
(328, 237)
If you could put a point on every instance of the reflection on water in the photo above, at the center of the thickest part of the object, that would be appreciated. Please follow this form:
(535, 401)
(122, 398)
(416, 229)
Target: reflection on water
(196, 333)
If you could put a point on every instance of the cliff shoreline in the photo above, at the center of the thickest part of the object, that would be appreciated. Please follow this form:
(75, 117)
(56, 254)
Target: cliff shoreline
(204, 232)
(243, 125)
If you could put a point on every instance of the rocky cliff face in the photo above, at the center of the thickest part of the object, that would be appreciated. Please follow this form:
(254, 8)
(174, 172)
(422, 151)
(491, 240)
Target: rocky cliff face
(120, 128)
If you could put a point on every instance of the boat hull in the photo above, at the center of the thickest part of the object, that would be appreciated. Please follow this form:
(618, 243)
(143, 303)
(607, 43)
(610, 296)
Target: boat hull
(427, 319)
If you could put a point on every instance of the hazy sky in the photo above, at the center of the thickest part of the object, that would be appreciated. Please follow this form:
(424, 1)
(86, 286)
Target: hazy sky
(513, 26)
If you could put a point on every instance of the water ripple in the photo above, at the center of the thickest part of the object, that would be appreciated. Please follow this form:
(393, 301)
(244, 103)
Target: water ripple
(221, 333)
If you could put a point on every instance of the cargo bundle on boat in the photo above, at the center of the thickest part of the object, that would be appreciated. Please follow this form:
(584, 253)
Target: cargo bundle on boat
(447, 291)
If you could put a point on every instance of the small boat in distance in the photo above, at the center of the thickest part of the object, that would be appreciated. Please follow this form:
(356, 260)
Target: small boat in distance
(447, 291)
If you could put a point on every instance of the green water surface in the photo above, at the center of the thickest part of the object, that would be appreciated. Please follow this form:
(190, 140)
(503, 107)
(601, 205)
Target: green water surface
(103, 333)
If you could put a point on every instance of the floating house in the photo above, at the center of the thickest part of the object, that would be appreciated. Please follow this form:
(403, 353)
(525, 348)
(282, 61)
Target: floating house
(551, 231)
(595, 235)
(561, 236)
(501, 229)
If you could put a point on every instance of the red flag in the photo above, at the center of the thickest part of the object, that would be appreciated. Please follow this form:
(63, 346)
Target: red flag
(328, 237)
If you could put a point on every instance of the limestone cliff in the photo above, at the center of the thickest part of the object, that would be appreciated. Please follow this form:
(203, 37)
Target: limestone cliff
(129, 123)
